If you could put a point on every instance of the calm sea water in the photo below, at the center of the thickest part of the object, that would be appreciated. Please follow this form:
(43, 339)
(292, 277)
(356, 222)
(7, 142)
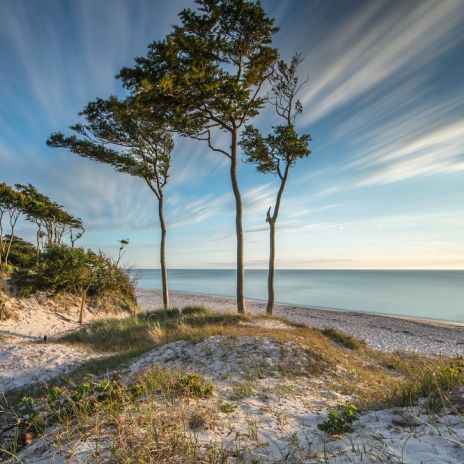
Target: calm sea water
(427, 294)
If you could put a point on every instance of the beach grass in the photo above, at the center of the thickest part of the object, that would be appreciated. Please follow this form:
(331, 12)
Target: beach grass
(158, 414)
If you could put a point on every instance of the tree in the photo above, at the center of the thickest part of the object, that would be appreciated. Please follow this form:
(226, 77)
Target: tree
(12, 203)
(51, 219)
(206, 77)
(279, 151)
(123, 135)
(123, 244)
(21, 252)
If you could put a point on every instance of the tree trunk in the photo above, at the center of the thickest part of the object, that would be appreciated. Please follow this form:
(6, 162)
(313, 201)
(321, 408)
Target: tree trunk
(272, 219)
(270, 278)
(164, 273)
(1, 238)
(238, 223)
(13, 224)
(81, 312)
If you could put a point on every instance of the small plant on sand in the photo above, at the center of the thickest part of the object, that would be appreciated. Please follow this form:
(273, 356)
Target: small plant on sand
(227, 408)
(174, 384)
(339, 421)
(241, 390)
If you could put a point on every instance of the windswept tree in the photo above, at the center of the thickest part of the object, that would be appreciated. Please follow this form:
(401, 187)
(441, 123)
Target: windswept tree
(12, 204)
(121, 134)
(207, 77)
(123, 244)
(279, 151)
(52, 221)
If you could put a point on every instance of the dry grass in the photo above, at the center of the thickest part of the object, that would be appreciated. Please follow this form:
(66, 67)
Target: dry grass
(164, 422)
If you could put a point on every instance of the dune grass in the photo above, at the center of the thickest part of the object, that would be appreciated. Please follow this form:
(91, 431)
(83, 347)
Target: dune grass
(145, 331)
(157, 416)
(343, 339)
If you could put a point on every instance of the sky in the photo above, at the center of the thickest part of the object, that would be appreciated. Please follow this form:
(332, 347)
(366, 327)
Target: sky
(383, 102)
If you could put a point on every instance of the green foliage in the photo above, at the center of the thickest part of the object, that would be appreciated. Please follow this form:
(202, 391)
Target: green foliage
(340, 420)
(65, 403)
(62, 269)
(209, 70)
(123, 135)
(227, 408)
(276, 151)
(50, 218)
(22, 253)
(279, 151)
(343, 339)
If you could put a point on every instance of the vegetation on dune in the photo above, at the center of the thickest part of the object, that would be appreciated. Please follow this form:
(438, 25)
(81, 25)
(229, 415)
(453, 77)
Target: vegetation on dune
(163, 408)
(61, 269)
(52, 222)
(145, 331)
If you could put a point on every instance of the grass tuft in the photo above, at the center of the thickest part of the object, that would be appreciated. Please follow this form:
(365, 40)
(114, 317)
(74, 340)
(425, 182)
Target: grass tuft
(343, 339)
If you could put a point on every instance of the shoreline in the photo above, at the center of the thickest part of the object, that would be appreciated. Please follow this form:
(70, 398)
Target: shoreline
(419, 320)
(383, 332)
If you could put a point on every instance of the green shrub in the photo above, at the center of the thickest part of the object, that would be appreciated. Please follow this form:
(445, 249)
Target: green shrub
(62, 269)
(339, 421)
(22, 253)
(227, 408)
(65, 403)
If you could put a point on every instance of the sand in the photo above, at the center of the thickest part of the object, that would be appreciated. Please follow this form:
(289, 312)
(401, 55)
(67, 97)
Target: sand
(277, 421)
(384, 333)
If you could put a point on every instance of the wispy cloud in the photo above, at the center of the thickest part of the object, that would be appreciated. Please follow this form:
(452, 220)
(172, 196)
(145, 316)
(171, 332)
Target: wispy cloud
(378, 43)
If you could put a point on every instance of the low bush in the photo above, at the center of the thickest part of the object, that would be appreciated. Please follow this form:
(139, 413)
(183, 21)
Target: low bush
(340, 420)
(62, 269)
(21, 253)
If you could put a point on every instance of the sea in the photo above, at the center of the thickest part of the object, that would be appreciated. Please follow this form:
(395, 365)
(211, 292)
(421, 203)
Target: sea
(422, 294)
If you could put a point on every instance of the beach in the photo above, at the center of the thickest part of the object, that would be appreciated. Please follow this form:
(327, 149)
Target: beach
(385, 333)
(271, 389)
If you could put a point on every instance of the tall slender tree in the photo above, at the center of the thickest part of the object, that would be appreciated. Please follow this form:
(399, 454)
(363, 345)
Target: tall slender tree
(121, 134)
(207, 78)
(279, 151)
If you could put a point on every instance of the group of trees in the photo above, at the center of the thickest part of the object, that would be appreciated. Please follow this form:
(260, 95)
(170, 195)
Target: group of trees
(51, 220)
(211, 75)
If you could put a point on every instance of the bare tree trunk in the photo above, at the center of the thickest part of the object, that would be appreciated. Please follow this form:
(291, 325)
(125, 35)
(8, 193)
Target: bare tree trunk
(270, 278)
(272, 219)
(13, 221)
(2, 243)
(164, 273)
(238, 223)
(81, 312)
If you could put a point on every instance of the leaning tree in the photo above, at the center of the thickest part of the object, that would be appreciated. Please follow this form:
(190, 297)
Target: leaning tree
(207, 77)
(123, 135)
(277, 152)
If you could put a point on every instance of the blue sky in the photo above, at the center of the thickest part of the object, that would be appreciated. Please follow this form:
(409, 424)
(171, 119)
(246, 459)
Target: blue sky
(384, 104)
